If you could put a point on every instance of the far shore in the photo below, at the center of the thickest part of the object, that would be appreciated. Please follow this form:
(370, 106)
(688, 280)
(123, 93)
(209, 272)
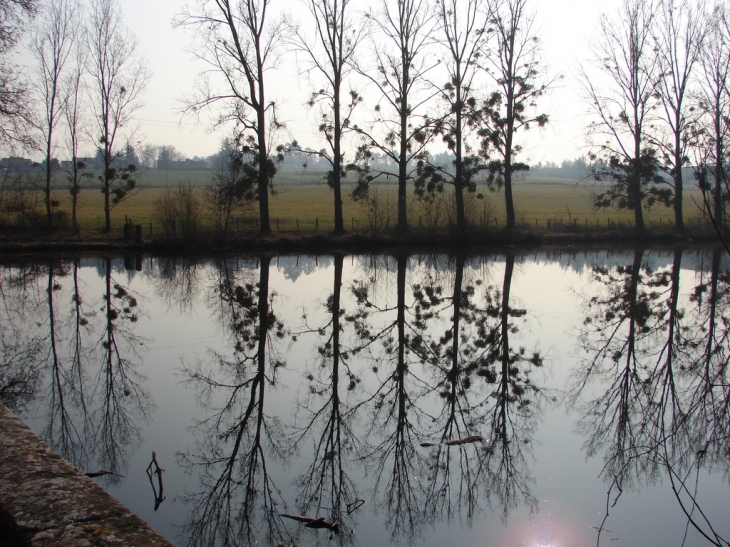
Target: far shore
(24, 242)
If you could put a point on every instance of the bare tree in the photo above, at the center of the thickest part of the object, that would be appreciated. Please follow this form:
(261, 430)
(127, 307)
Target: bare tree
(227, 192)
(52, 42)
(148, 155)
(236, 42)
(166, 154)
(401, 65)
(119, 78)
(624, 57)
(329, 54)
(73, 113)
(15, 115)
(516, 67)
(463, 27)
(679, 41)
(714, 105)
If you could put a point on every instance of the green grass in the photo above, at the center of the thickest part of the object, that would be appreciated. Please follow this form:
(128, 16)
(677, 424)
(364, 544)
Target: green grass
(300, 203)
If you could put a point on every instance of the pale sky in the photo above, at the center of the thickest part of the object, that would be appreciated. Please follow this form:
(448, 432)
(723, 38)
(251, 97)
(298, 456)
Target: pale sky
(565, 28)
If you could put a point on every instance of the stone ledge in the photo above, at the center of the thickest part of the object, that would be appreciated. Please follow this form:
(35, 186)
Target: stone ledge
(46, 501)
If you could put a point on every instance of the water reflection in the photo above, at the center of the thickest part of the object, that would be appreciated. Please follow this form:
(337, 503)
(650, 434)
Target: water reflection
(651, 380)
(21, 349)
(86, 357)
(238, 501)
(396, 396)
(325, 488)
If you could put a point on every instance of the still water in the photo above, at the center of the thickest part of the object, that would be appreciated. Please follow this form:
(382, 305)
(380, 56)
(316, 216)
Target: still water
(560, 400)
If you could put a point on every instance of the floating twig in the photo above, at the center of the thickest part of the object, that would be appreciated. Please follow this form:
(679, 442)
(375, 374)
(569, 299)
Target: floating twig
(315, 522)
(159, 497)
(101, 473)
(457, 442)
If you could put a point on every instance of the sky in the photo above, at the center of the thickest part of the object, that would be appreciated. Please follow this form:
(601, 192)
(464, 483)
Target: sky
(565, 28)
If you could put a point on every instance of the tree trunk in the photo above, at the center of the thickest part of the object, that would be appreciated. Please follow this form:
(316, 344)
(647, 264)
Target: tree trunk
(263, 176)
(49, 175)
(718, 212)
(337, 161)
(105, 189)
(508, 199)
(459, 175)
(678, 182)
(634, 186)
(402, 225)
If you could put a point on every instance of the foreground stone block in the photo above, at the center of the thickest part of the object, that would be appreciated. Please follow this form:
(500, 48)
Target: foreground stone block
(46, 501)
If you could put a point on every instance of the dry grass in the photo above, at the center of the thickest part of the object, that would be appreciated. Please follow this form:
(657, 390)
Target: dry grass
(306, 207)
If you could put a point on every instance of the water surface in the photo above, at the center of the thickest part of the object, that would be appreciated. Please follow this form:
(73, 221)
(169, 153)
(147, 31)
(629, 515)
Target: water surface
(542, 400)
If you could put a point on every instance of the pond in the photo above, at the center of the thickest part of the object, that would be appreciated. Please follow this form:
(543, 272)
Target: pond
(545, 399)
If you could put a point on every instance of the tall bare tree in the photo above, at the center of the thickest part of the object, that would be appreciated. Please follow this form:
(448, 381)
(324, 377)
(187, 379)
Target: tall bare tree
(714, 104)
(52, 42)
(15, 114)
(329, 54)
(119, 78)
(679, 40)
(517, 67)
(463, 34)
(625, 58)
(237, 43)
(74, 106)
(401, 65)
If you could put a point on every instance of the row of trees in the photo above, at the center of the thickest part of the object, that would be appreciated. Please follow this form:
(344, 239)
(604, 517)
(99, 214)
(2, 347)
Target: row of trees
(418, 55)
(664, 104)
(468, 73)
(84, 87)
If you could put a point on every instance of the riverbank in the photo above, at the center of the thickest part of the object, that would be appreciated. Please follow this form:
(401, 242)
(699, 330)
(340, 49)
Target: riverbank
(25, 242)
(45, 501)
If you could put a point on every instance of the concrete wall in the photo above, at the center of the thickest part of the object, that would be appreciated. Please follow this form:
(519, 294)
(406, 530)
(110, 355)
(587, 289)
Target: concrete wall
(46, 501)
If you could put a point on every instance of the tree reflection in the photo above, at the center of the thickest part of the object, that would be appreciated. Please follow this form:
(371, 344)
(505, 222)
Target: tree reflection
(486, 388)
(68, 419)
(661, 399)
(238, 502)
(123, 398)
(326, 485)
(21, 348)
(178, 282)
(388, 333)
(56, 339)
(617, 323)
(453, 384)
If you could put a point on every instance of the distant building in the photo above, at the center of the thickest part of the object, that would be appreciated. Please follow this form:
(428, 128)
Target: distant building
(14, 163)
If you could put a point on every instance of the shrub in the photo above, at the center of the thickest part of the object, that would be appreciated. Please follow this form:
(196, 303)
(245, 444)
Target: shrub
(178, 211)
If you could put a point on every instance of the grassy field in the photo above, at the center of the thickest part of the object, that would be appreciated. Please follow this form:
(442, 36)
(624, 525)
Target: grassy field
(301, 204)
